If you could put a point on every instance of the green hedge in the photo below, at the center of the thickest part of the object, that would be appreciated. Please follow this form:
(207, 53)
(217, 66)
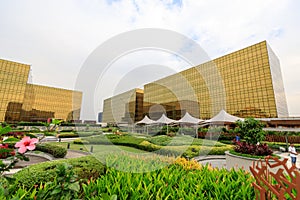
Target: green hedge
(164, 140)
(77, 134)
(126, 140)
(88, 134)
(84, 167)
(80, 141)
(54, 150)
(67, 135)
(31, 124)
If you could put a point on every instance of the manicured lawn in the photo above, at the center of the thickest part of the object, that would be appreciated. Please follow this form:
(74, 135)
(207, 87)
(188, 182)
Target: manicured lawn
(99, 148)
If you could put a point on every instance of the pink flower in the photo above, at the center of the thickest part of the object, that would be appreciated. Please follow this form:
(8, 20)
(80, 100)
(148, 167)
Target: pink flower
(26, 143)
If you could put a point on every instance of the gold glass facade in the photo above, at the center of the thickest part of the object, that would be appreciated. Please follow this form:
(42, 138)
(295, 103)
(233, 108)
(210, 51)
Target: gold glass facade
(245, 83)
(13, 80)
(20, 101)
(48, 102)
(124, 108)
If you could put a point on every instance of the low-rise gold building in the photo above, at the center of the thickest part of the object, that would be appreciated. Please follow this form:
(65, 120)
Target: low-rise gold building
(124, 108)
(245, 83)
(21, 101)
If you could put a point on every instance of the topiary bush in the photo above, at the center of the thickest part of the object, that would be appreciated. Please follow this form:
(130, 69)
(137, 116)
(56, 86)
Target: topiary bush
(86, 167)
(54, 150)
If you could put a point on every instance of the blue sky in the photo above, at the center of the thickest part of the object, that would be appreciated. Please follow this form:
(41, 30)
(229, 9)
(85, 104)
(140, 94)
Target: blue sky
(56, 37)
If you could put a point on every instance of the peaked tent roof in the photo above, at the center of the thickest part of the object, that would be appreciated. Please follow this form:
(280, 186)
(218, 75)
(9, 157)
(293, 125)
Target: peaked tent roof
(187, 118)
(146, 120)
(223, 116)
(165, 120)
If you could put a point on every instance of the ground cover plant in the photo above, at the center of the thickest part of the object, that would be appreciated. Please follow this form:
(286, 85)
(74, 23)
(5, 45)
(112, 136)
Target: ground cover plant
(130, 176)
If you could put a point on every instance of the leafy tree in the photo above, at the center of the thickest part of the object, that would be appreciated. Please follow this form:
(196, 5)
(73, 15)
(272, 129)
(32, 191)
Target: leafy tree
(251, 130)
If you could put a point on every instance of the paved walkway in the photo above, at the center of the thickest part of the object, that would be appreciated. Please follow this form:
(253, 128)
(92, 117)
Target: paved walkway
(217, 161)
(42, 157)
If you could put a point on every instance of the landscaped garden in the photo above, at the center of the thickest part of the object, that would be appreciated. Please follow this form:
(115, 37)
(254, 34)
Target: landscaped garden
(126, 165)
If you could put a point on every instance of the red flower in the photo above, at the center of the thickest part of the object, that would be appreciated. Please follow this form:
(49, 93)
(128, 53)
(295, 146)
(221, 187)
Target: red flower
(5, 154)
(26, 143)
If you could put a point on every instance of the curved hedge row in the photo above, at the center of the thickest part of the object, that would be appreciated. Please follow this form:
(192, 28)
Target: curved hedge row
(84, 167)
(143, 144)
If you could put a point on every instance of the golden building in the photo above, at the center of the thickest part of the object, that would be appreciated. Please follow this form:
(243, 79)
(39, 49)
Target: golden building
(124, 108)
(245, 83)
(21, 101)
(13, 80)
(48, 102)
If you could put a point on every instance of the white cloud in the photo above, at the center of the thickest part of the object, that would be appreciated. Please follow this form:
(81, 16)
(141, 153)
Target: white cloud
(57, 36)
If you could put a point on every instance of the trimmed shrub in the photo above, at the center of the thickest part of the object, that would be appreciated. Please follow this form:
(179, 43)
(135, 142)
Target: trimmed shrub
(66, 131)
(161, 140)
(67, 135)
(31, 124)
(54, 150)
(80, 141)
(147, 146)
(88, 134)
(84, 167)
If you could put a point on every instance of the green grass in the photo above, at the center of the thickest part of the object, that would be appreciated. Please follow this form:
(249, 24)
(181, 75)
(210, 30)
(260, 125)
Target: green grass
(164, 140)
(98, 148)
(113, 148)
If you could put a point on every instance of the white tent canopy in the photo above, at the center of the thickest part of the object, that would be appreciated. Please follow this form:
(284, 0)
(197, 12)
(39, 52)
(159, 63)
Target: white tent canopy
(187, 118)
(223, 116)
(146, 120)
(165, 120)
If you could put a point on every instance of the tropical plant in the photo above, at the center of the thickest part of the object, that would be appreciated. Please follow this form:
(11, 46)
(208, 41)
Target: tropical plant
(251, 130)
(8, 152)
(66, 183)
(52, 124)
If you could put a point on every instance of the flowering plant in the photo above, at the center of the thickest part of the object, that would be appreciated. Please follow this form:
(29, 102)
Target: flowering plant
(251, 131)
(7, 149)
